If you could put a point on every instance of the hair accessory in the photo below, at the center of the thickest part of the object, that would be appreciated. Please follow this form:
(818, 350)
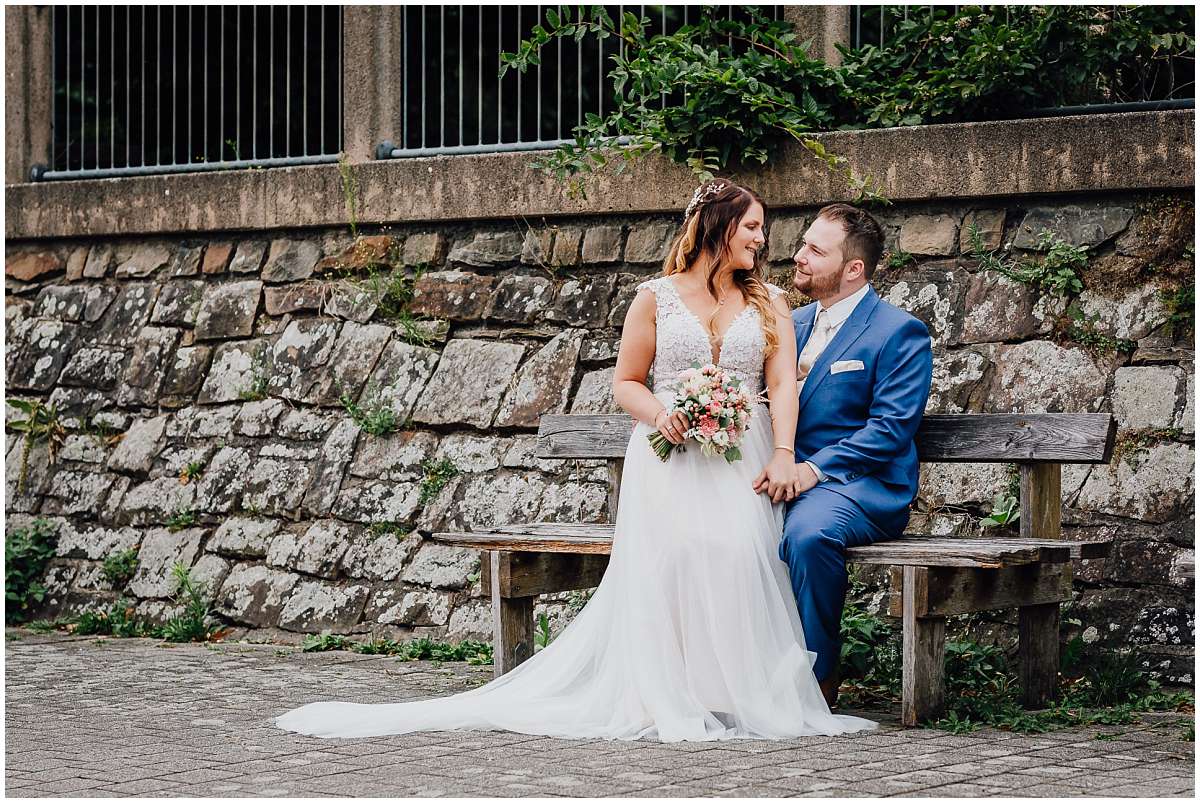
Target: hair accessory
(703, 194)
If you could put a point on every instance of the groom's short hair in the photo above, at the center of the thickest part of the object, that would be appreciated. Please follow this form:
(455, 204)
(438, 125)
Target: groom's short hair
(864, 235)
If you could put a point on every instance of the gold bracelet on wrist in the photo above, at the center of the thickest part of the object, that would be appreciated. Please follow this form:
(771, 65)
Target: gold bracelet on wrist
(786, 448)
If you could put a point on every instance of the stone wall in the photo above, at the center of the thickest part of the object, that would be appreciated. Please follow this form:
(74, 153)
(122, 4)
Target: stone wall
(232, 355)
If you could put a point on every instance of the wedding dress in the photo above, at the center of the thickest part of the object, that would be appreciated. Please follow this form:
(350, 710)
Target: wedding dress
(693, 633)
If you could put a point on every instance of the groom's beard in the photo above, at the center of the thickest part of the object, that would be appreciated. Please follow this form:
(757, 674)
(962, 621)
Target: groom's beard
(817, 287)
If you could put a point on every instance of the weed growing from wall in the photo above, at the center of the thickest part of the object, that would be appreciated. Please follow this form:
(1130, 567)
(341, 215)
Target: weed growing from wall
(899, 259)
(192, 624)
(1181, 310)
(119, 567)
(191, 472)
(376, 418)
(27, 553)
(40, 425)
(120, 618)
(1082, 329)
(1058, 273)
(259, 376)
(381, 528)
(1133, 446)
(437, 474)
(181, 519)
(422, 649)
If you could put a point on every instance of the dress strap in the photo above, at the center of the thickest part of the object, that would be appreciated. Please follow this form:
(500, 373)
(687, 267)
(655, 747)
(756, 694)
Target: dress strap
(665, 294)
(652, 285)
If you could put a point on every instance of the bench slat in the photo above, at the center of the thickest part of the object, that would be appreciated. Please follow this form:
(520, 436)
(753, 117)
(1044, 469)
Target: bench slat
(1080, 550)
(1017, 438)
(963, 552)
(584, 436)
(596, 539)
(532, 542)
(948, 591)
(962, 438)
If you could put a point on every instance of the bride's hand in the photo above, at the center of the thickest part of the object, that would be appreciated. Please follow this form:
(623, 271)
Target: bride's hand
(777, 479)
(673, 425)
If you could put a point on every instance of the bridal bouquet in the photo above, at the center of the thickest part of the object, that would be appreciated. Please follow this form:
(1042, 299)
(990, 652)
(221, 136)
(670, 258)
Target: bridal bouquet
(717, 409)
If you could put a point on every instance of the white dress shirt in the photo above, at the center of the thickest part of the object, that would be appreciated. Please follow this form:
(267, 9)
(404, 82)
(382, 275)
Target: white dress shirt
(827, 323)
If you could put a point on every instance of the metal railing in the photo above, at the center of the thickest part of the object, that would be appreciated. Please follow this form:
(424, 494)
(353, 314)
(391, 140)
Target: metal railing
(873, 25)
(454, 102)
(164, 89)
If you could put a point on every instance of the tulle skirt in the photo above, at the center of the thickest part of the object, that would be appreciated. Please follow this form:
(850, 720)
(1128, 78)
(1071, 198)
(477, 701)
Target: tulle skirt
(692, 635)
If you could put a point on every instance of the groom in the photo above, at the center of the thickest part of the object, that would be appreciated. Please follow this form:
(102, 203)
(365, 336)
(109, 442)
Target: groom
(864, 371)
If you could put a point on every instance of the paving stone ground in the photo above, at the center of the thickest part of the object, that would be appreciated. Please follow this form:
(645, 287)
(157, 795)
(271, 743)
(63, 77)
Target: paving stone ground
(98, 717)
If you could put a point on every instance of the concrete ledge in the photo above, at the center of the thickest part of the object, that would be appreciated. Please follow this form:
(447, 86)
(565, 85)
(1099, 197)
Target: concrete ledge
(1100, 153)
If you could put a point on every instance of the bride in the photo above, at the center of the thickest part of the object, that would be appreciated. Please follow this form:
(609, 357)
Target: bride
(693, 633)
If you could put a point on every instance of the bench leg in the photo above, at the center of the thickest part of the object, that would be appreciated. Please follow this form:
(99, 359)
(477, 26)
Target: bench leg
(512, 623)
(1038, 654)
(924, 654)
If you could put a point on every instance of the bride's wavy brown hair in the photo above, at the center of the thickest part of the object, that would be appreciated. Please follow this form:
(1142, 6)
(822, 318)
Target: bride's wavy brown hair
(707, 230)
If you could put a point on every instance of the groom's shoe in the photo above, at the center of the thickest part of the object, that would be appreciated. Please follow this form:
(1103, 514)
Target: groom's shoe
(829, 687)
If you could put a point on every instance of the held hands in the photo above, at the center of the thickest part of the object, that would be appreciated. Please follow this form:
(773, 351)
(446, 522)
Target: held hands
(672, 425)
(784, 479)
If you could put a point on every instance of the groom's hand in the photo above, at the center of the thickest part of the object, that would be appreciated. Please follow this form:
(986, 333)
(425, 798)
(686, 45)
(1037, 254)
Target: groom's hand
(804, 480)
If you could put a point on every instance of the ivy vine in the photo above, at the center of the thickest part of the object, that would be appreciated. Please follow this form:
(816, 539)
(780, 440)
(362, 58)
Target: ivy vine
(725, 94)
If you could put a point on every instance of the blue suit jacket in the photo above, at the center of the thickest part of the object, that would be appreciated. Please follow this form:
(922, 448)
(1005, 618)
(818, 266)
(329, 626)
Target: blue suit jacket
(857, 426)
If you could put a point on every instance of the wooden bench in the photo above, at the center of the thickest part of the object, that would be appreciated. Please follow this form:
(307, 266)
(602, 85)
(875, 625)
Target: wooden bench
(931, 578)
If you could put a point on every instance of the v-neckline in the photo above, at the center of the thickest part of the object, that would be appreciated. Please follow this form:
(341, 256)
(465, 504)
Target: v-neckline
(721, 337)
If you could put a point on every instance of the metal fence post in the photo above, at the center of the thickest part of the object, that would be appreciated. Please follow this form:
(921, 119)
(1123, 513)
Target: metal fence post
(826, 26)
(371, 68)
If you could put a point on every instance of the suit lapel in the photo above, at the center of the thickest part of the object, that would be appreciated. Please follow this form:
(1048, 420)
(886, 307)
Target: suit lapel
(854, 326)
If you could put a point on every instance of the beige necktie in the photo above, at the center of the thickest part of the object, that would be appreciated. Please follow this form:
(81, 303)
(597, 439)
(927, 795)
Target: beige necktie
(813, 348)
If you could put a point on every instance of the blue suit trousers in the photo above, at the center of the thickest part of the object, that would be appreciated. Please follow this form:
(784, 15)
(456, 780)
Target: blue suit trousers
(818, 527)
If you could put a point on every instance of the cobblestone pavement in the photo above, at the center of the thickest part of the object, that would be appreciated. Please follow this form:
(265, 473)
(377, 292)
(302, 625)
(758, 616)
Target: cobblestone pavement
(118, 717)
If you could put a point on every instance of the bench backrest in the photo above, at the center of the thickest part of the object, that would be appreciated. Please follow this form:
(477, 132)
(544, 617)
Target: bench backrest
(960, 438)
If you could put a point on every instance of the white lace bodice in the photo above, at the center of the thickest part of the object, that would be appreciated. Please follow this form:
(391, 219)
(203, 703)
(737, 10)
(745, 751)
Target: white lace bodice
(682, 340)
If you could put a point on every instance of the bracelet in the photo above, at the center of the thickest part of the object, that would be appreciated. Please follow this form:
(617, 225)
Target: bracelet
(660, 412)
(786, 448)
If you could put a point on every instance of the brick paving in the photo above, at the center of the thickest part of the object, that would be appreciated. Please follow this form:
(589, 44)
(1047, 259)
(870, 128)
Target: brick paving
(98, 717)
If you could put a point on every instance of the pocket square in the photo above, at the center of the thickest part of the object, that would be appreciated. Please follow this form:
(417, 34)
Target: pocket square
(846, 365)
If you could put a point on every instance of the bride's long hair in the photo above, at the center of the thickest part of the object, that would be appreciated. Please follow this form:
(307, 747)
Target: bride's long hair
(711, 221)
